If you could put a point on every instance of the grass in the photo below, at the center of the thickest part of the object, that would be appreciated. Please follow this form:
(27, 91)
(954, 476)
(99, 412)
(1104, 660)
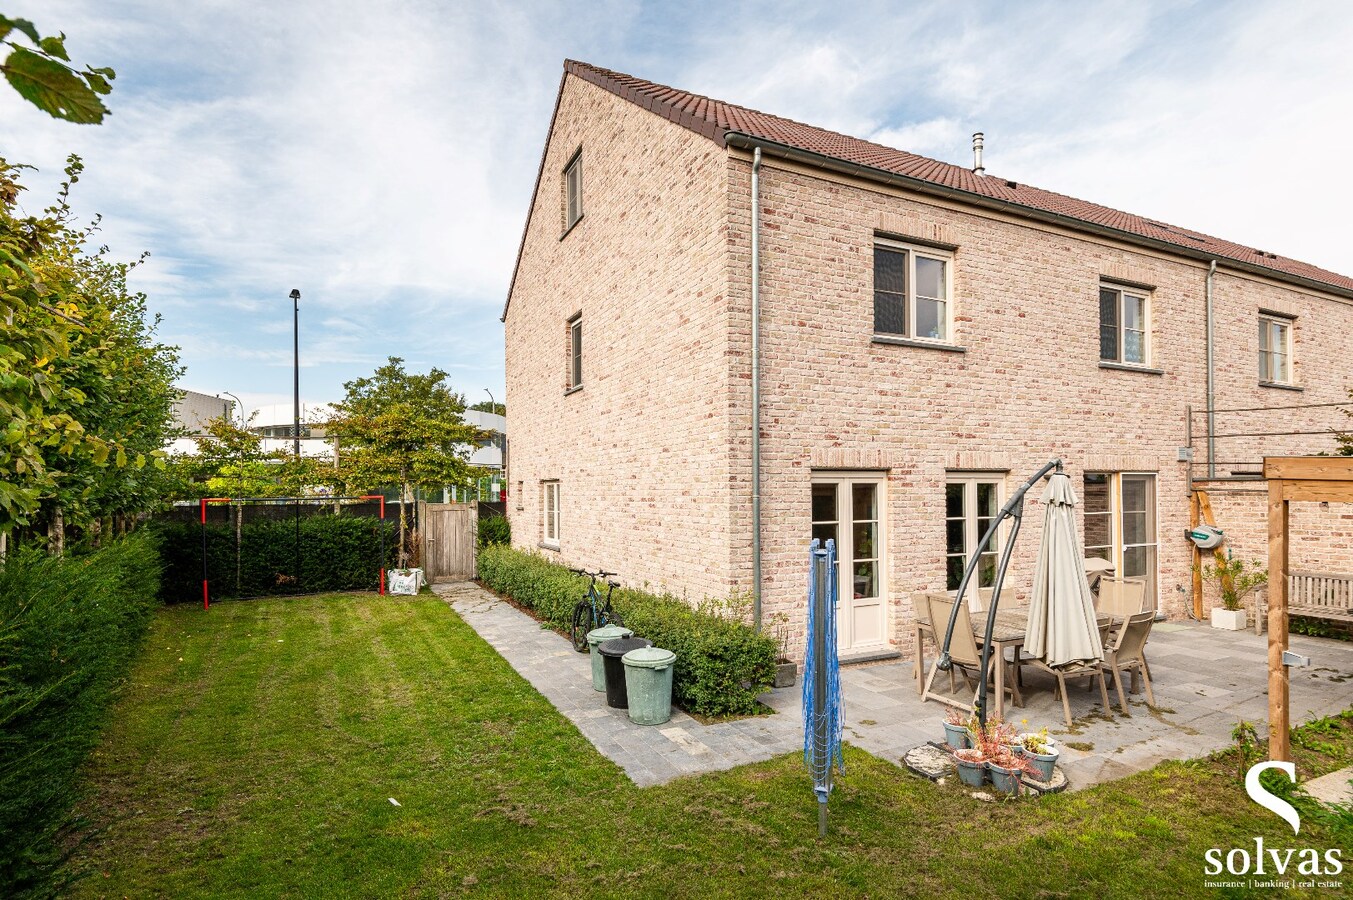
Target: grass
(256, 747)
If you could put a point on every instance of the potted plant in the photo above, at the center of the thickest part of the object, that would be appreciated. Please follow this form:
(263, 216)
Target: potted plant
(786, 670)
(972, 766)
(1041, 751)
(1007, 769)
(956, 723)
(1235, 581)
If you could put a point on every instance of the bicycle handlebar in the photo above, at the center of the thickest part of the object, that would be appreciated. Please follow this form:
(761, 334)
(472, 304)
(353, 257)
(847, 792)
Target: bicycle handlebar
(597, 574)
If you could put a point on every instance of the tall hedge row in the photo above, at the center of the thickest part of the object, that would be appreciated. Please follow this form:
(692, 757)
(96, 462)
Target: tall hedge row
(69, 628)
(722, 663)
(338, 553)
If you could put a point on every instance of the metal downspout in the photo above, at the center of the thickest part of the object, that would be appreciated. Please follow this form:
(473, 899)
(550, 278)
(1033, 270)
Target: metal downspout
(756, 388)
(1211, 382)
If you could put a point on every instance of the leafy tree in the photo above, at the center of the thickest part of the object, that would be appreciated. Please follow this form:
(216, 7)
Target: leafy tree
(230, 462)
(82, 380)
(41, 71)
(405, 429)
(499, 409)
(1344, 439)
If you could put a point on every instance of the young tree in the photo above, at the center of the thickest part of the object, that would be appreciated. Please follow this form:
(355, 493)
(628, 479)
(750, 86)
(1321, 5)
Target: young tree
(1344, 439)
(405, 429)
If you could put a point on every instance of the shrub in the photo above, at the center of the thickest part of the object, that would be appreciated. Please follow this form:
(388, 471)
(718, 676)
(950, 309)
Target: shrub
(338, 553)
(69, 628)
(722, 663)
(494, 529)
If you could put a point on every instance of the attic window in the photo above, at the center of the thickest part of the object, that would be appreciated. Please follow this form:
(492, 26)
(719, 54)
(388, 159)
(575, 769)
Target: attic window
(573, 191)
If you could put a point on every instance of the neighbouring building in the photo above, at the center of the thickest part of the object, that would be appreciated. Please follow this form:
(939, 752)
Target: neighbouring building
(929, 335)
(192, 411)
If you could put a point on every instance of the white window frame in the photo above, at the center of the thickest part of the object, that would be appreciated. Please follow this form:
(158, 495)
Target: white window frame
(575, 353)
(1123, 292)
(1286, 323)
(1116, 547)
(911, 252)
(847, 639)
(573, 190)
(977, 595)
(550, 514)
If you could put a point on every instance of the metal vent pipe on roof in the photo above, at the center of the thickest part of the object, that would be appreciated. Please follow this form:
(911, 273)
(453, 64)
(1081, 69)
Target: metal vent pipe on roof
(977, 167)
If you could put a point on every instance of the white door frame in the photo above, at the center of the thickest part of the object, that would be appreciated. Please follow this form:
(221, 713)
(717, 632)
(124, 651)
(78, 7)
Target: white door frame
(849, 610)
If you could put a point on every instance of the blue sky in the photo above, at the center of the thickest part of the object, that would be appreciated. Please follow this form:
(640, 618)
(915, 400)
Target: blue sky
(379, 156)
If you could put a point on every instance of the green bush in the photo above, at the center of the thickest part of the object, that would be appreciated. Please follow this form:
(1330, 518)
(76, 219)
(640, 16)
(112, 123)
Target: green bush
(722, 663)
(69, 628)
(338, 553)
(494, 530)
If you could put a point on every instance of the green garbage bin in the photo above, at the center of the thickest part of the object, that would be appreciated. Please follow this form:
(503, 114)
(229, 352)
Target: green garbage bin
(598, 636)
(648, 681)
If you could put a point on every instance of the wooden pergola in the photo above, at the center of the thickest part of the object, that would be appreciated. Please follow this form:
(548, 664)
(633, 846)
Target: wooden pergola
(1327, 479)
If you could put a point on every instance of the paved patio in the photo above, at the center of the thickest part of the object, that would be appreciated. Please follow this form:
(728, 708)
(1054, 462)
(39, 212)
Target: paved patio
(1204, 680)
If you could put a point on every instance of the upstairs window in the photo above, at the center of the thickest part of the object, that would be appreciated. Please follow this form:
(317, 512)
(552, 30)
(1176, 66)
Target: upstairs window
(1124, 335)
(1275, 349)
(573, 191)
(575, 351)
(911, 292)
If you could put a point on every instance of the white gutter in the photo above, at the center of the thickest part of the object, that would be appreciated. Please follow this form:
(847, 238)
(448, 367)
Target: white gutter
(756, 388)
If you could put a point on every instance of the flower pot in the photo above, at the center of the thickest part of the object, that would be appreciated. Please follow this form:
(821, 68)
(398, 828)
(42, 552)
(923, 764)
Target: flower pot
(1228, 619)
(1005, 781)
(956, 736)
(786, 673)
(971, 771)
(1044, 762)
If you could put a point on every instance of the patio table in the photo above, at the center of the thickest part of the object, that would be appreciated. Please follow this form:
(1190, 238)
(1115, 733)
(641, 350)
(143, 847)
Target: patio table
(1008, 632)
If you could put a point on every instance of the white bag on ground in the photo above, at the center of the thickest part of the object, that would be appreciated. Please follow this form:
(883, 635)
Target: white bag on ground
(406, 581)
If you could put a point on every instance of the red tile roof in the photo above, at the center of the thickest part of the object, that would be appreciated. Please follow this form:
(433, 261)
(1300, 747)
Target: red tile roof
(716, 119)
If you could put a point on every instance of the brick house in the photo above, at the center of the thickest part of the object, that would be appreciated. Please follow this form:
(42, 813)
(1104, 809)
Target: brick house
(929, 336)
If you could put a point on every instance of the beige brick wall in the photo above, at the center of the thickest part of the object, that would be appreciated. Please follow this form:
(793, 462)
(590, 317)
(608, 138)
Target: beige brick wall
(641, 451)
(654, 452)
(1028, 388)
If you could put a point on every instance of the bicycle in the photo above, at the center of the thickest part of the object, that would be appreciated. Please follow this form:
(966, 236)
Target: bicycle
(591, 612)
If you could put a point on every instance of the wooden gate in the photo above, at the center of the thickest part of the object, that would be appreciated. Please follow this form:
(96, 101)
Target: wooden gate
(448, 535)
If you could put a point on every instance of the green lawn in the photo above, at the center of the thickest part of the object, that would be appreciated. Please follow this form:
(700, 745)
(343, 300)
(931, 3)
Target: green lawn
(256, 747)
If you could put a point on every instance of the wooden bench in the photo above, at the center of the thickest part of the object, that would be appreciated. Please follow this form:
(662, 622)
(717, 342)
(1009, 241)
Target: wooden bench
(1315, 595)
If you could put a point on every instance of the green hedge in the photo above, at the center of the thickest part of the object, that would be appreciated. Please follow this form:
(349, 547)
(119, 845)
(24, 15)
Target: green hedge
(722, 663)
(68, 631)
(494, 529)
(338, 553)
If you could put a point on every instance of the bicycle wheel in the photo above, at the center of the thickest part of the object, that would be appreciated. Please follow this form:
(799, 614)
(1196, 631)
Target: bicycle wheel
(583, 622)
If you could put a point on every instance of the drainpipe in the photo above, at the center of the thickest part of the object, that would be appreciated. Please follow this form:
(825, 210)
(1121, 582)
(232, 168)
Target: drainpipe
(1211, 382)
(756, 388)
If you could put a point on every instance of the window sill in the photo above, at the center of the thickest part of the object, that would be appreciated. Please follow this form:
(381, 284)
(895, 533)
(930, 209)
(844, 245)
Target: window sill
(565, 232)
(912, 342)
(543, 545)
(1280, 386)
(573, 390)
(1128, 367)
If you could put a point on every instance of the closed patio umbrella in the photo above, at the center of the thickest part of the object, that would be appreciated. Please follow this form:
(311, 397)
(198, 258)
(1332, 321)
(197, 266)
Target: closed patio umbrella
(1061, 627)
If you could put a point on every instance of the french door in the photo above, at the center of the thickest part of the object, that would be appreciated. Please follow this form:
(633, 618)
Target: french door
(1120, 524)
(848, 508)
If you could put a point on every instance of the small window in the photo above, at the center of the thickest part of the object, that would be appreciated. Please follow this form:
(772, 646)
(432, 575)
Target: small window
(551, 514)
(911, 292)
(1124, 334)
(575, 352)
(971, 504)
(573, 191)
(1275, 350)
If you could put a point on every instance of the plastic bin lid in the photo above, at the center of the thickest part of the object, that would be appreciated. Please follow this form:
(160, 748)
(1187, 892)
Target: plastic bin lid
(649, 658)
(621, 646)
(607, 633)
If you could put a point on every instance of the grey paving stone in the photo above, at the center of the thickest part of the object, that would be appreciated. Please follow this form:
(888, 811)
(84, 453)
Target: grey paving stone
(1204, 681)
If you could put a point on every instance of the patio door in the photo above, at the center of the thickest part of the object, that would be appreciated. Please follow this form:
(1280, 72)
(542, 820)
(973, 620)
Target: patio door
(1120, 524)
(848, 509)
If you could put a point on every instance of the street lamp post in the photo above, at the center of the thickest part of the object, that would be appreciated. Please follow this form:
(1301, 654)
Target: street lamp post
(238, 405)
(296, 379)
